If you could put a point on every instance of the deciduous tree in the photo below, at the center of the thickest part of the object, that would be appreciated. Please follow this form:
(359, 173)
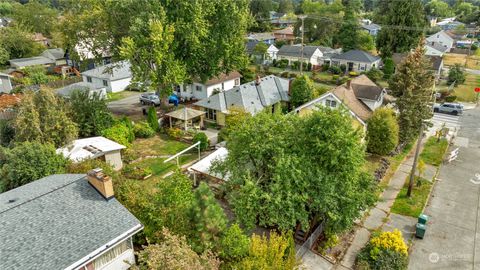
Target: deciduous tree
(302, 91)
(412, 84)
(35, 16)
(456, 74)
(18, 42)
(382, 131)
(89, 111)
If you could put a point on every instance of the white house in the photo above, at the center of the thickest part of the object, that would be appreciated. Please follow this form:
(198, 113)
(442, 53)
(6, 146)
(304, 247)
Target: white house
(271, 53)
(435, 50)
(371, 28)
(5, 83)
(93, 148)
(200, 90)
(293, 53)
(113, 77)
(66, 221)
(441, 39)
(356, 60)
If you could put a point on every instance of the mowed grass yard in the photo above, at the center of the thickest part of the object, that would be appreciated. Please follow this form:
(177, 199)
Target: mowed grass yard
(466, 91)
(434, 151)
(412, 206)
(472, 61)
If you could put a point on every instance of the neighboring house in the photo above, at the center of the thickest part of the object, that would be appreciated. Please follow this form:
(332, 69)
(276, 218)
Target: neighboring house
(435, 49)
(113, 77)
(49, 58)
(360, 96)
(372, 28)
(285, 34)
(293, 53)
(435, 60)
(281, 20)
(440, 39)
(267, 93)
(449, 24)
(66, 221)
(94, 148)
(200, 90)
(41, 39)
(270, 55)
(356, 60)
(67, 91)
(5, 83)
(267, 38)
(85, 57)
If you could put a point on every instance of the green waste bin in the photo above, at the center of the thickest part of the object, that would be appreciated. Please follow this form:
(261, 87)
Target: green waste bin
(422, 219)
(420, 231)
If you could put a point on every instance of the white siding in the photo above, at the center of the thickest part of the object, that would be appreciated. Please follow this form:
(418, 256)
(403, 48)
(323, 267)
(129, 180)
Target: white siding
(114, 158)
(118, 85)
(357, 66)
(5, 85)
(190, 90)
(441, 38)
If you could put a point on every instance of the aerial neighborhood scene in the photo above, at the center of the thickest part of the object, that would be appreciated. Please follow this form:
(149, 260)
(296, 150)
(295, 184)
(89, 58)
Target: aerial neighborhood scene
(239, 134)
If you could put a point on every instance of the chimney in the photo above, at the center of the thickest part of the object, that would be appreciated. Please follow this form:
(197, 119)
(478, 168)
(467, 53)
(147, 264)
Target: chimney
(257, 80)
(101, 182)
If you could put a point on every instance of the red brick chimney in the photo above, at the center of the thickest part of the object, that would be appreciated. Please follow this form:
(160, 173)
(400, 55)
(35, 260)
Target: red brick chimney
(101, 182)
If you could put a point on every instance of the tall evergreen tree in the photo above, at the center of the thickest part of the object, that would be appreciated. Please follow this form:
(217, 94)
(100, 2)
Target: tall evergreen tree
(412, 84)
(285, 6)
(348, 35)
(403, 23)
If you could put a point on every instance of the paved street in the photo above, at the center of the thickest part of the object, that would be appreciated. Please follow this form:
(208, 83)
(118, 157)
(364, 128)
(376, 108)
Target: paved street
(452, 241)
(439, 119)
(128, 106)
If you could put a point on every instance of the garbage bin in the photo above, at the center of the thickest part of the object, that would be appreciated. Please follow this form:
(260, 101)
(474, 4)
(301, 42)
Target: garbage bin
(422, 219)
(420, 231)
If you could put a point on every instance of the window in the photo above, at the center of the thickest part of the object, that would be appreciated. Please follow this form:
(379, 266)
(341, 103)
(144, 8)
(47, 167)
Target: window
(211, 114)
(237, 81)
(105, 83)
(331, 103)
(89, 79)
(198, 88)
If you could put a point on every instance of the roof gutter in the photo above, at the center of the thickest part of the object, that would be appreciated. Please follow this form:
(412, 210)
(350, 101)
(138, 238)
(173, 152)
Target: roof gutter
(101, 250)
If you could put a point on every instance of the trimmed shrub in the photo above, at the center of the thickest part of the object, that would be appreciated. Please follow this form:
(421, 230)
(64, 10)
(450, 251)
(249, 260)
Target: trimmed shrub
(119, 133)
(385, 250)
(152, 118)
(334, 69)
(204, 142)
(282, 63)
(382, 132)
(450, 98)
(309, 66)
(343, 68)
(374, 74)
(353, 73)
(174, 132)
(302, 90)
(143, 130)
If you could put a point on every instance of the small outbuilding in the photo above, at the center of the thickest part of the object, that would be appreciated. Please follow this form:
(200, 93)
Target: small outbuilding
(187, 115)
(93, 148)
(201, 169)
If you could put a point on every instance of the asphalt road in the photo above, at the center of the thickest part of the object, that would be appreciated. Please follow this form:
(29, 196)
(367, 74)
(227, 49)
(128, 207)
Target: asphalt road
(128, 106)
(452, 240)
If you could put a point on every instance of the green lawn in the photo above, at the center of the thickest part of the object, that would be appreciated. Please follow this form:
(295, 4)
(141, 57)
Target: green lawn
(434, 151)
(466, 91)
(157, 146)
(412, 206)
(159, 168)
(119, 95)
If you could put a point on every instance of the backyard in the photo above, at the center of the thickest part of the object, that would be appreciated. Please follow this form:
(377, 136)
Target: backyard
(466, 91)
(472, 61)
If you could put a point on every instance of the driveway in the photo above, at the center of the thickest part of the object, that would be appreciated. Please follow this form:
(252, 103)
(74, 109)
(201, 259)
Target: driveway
(128, 106)
(451, 240)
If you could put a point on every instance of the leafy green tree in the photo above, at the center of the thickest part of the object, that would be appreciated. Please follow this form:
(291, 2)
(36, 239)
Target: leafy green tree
(456, 74)
(27, 162)
(274, 252)
(302, 91)
(18, 42)
(374, 74)
(323, 22)
(365, 41)
(4, 56)
(89, 111)
(285, 6)
(43, 117)
(287, 178)
(404, 22)
(261, 49)
(6, 8)
(36, 75)
(208, 219)
(234, 244)
(348, 35)
(122, 132)
(388, 67)
(7, 132)
(412, 84)
(35, 16)
(208, 35)
(173, 252)
(439, 9)
(382, 131)
(203, 139)
(152, 118)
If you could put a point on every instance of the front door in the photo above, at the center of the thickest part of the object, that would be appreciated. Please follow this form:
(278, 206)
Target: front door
(350, 66)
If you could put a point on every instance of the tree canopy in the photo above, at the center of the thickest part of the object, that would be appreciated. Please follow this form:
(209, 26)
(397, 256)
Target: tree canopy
(302, 91)
(89, 111)
(285, 169)
(382, 131)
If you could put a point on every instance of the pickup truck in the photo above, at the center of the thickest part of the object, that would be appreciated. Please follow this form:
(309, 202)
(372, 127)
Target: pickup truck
(453, 108)
(149, 99)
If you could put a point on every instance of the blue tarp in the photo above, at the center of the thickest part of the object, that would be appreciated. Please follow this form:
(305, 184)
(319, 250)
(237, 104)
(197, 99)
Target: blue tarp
(173, 99)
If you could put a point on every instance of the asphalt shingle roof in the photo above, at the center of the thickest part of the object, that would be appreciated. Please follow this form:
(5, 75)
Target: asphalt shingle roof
(249, 96)
(358, 56)
(114, 71)
(364, 88)
(56, 221)
(296, 51)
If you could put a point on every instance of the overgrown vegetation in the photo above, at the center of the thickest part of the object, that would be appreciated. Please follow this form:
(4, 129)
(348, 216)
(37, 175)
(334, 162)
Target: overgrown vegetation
(434, 151)
(412, 206)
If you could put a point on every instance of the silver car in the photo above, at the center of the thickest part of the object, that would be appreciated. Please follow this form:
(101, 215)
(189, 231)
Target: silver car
(452, 108)
(150, 99)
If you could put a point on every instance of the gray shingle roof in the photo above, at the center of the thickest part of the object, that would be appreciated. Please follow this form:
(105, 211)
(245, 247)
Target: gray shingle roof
(296, 51)
(56, 221)
(249, 96)
(31, 61)
(358, 56)
(54, 54)
(114, 71)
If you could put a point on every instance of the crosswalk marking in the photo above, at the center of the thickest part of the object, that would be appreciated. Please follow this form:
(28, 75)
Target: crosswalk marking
(452, 122)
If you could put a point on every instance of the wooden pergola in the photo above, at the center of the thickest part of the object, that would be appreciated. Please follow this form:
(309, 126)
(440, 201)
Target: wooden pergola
(186, 115)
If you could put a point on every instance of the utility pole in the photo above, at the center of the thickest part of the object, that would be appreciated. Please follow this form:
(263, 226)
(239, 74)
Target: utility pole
(415, 160)
(302, 17)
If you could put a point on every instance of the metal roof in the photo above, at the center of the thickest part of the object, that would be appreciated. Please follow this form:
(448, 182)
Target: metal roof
(58, 221)
(31, 61)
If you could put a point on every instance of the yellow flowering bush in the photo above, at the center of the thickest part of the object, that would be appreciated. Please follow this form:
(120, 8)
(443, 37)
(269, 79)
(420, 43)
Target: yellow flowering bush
(389, 240)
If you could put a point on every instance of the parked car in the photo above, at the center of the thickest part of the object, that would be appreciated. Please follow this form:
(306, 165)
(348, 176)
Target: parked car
(149, 99)
(453, 108)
